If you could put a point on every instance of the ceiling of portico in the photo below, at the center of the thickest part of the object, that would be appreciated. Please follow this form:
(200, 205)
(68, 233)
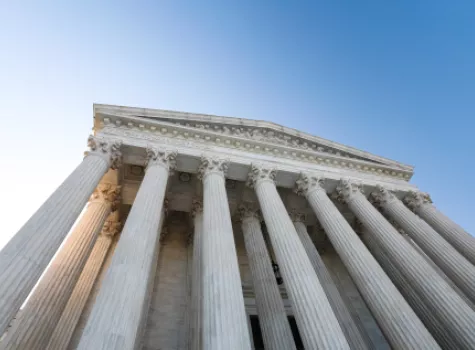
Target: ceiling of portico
(253, 136)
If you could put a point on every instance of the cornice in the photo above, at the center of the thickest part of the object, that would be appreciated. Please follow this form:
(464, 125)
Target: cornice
(173, 117)
(153, 129)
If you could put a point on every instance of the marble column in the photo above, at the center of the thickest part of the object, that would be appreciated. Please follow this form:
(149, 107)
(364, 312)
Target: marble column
(464, 242)
(117, 314)
(455, 314)
(435, 267)
(275, 327)
(72, 312)
(223, 314)
(25, 257)
(33, 328)
(347, 324)
(195, 322)
(430, 320)
(399, 323)
(454, 265)
(318, 325)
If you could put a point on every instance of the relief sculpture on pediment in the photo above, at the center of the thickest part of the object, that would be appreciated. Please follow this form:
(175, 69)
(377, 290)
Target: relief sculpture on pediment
(267, 135)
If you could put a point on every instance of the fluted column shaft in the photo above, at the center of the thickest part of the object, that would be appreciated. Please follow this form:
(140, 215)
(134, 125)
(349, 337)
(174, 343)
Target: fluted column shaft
(439, 271)
(455, 266)
(348, 325)
(456, 315)
(223, 314)
(433, 324)
(399, 323)
(451, 231)
(318, 325)
(118, 310)
(195, 324)
(275, 327)
(38, 319)
(72, 312)
(24, 258)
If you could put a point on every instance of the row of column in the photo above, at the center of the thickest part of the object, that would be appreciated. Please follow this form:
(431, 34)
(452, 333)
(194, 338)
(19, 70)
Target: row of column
(120, 306)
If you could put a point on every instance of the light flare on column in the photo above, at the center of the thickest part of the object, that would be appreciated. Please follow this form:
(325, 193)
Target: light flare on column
(25, 257)
(118, 312)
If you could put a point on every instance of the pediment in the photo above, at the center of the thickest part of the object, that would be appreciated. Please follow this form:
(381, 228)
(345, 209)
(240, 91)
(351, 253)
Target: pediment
(270, 135)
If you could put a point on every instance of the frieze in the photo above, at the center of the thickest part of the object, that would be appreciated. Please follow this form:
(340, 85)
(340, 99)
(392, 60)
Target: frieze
(266, 135)
(181, 136)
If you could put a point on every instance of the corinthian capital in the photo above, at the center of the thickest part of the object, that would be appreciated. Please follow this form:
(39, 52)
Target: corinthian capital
(414, 200)
(111, 228)
(196, 207)
(296, 215)
(105, 192)
(307, 183)
(346, 190)
(210, 165)
(107, 149)
(381, 196)
(260, 173)
(163, 158)
(248, 211)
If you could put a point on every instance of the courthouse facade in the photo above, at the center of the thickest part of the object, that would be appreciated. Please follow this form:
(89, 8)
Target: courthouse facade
(188, 231)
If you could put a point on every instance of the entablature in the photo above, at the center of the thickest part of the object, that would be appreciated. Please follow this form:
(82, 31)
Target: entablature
(190, 152)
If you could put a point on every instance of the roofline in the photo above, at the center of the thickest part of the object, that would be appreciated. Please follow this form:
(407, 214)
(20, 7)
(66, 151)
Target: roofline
(151, 113)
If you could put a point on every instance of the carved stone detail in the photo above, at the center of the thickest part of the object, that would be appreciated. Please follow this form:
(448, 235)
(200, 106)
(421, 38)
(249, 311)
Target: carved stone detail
(111, 228)
(210, 165)
(164, 158)
(267, 135)
(381, 196)
(260, 173)
(164, 234)
(110, 150)
(196, 206)
(414, 200)
(249, 210)
(307, 183)
(108, 193)
(296, 215)
(200, 140)
(345, 190)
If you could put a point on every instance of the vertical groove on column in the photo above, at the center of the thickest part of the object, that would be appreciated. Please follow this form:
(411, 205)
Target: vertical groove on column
(316, 321)
(441, 298)
(270, 307)
(452, 232)
(399, 323)
(72, 312)
(195, 331)
(348, 325)
(436, 328)
(455, 266)
(439, 271)
(224, 315)
(24, 258)
(36, 323)
(118, 310)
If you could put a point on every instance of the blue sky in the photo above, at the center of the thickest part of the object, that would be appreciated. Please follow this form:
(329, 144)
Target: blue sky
(393, 78)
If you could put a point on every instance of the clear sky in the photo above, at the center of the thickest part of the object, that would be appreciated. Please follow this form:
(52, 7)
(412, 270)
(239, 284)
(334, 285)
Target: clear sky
(393, 78)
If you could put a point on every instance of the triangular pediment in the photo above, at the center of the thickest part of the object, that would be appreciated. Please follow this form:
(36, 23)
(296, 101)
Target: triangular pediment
(253, 130)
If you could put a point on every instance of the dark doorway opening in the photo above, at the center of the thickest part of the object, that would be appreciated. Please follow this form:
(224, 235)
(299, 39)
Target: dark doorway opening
(257, 333)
